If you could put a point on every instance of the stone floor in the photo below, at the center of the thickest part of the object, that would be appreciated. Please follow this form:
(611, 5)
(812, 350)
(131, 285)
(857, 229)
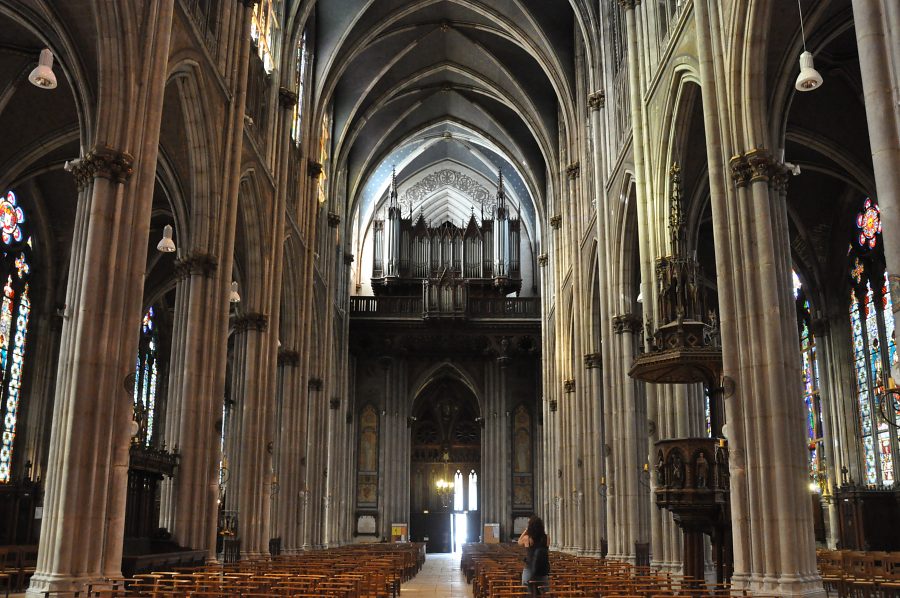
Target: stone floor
(439, 578)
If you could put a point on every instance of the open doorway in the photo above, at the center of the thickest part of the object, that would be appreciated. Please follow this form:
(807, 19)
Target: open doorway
(446, 459)
(460, 527)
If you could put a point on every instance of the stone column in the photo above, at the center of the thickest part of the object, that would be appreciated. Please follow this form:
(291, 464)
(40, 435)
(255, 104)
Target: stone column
(40, 404)
(84, 503)
(829, 427)
(255, 476)
(594, 466)
(190, 422)
(769, 449)
(603, 385)
(315, 466)
(628, 490)
(568, 490)
(211, 390)
(290, 451)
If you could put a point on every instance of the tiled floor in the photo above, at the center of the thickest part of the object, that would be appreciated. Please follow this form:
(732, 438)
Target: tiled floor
(439, 578)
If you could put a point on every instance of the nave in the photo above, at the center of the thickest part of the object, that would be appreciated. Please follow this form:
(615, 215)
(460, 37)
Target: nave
(285, 276)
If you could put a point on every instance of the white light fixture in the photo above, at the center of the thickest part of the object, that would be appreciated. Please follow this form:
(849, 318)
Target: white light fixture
(166, 244)
(235, 297)
(42, 76)
(814, 487)
(809, 78)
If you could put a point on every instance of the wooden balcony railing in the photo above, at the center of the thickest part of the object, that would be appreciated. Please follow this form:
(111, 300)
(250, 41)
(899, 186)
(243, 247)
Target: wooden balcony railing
(413, 307)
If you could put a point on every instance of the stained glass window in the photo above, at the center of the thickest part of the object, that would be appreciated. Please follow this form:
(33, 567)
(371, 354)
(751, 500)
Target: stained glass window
(15, 310)
(146, 379)
(302, 68)
(264, 29)
(810, 374)
(874, 349)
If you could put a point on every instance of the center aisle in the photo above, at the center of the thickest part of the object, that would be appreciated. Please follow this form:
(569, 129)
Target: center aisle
(440, 577)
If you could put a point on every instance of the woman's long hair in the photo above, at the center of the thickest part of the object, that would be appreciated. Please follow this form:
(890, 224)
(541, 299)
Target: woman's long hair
(536, 531)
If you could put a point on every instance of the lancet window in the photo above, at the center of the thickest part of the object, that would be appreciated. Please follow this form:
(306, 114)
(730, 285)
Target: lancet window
(147, 379)
(15, 309)
(473, 491)
(810, 373)
(874, 349)
(302, 69)
(264, 31)
(458, 493)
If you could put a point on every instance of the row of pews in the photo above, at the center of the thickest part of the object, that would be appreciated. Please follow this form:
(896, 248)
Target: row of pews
(17, 564)
(854, 573)
(495, 571)
(358, 571)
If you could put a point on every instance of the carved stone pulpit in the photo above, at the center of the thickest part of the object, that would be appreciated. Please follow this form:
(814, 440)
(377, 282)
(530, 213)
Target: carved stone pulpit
(682, 347)
(692, 482)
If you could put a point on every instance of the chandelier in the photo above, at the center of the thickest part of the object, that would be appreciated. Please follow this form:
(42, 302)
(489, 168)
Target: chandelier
(443, 486)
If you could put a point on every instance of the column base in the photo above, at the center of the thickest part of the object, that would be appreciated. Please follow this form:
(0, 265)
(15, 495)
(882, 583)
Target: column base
(41, 583)
(800, 586)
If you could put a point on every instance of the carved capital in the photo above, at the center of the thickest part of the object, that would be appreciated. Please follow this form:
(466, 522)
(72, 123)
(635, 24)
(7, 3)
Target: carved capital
(348, 258)
(335, 403)
(553, 405)
(286, 97)
(542, 259)
(314, 384)
(597, 100)
(314, 169)
(202, 264)
(556, 221)
(251, 321)
(780, 177)
(627, 4)
(760, 162)
(569, 385)
(593, 360)
(740, 171)
(287, 357)
(626, 323)
(333, 219)
(573, 170)
(104, 162)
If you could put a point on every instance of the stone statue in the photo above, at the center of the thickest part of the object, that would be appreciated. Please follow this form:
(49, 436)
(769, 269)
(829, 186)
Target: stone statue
(701, 467)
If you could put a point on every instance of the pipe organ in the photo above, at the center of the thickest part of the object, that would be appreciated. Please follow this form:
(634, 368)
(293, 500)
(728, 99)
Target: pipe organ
(483, 254)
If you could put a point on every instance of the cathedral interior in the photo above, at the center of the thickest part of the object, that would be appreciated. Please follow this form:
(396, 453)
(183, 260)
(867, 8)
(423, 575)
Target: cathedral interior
(284, 276)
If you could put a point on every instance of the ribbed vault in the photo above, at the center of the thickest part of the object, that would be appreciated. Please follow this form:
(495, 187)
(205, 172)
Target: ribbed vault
(411, 84)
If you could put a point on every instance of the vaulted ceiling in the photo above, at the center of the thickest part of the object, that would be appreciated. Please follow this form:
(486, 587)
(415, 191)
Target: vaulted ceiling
(413, 83)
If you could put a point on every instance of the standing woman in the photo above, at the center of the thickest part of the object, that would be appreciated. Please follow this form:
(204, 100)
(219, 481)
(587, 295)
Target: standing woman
(536, 574)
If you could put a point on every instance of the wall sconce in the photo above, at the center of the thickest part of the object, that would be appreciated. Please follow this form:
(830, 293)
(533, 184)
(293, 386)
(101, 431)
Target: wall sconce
(235, 297)
(166, 244)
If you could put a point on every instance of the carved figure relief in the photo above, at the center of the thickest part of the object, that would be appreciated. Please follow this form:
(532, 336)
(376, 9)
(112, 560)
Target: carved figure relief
(676, 469)
(701, 469)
